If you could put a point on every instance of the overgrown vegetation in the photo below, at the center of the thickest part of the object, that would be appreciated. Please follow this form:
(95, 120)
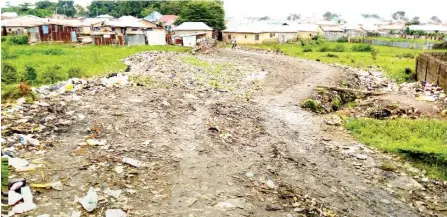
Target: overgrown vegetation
(15, 40)
(356, 55)
(46, 64)
(421, 141)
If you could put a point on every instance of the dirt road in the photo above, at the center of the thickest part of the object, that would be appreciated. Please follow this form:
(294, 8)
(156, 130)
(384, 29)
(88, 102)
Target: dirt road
(225, 138)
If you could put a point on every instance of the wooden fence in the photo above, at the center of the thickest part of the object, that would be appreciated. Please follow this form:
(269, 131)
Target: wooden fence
(432, 67)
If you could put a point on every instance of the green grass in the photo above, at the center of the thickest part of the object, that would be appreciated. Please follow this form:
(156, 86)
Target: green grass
(422, 141)
(401, 39)
(386, 57)
(66, 60)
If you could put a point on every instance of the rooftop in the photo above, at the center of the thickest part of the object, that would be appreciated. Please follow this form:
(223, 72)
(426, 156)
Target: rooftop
(192, 26)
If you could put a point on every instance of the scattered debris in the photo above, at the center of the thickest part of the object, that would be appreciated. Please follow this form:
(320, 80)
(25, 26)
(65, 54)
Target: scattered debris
(90, 201)
(131, 162)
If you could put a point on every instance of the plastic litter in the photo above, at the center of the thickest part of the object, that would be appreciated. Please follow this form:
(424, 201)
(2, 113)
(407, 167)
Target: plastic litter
(76, 214)
(17, 163)
(115, 213)
(27, 140)
(131, 162)
(118, 80)
(26, 194)
(95, 142)
(113, 193)
(23, 207)
(14, 197)
(90, 201)
(16, 184)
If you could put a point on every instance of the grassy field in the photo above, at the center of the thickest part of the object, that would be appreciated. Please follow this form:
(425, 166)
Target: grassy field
(402, 39)
(392, 60)
(71, 60)
(421, 141)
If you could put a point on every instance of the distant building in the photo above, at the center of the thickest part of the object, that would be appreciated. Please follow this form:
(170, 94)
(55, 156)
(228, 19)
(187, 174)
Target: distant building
(154, 16)
(105, 16)
(9, 15)
(168, 21)
(193, 27)
(430, 28)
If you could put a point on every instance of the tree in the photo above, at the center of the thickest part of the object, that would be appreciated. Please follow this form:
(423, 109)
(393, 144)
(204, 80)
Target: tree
(415, 21)
(398, 15)
(436, 19)
(66, 7)
(47, 5)
(209, 12)
(329, 16)
(264, 18)
(293, 17)
(25, 6)
(80, 11)
(371, 15)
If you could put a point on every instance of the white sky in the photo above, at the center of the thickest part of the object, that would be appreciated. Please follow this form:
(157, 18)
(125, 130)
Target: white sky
(348, 8)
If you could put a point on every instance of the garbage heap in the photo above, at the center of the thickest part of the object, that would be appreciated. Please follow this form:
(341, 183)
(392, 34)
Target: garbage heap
(32, 126)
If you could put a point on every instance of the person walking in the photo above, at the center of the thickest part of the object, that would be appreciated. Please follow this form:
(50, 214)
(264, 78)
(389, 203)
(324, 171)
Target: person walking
(233, 44)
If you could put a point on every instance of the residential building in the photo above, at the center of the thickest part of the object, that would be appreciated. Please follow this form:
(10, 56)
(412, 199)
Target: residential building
(193, 27)
(9, 15)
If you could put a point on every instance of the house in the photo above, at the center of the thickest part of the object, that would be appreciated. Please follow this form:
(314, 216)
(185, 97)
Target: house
(9, 15)
(245, 34)
(307, 31)
(168, 21)
(193, 27)
(332, 29)
(430, 28)
(154, 16)
(392, 28)
(352, 30)
(19, 26)
(105, 16)
(326, 23)
(189, 39)
(59, 16)
(85, 28)
(370, 29)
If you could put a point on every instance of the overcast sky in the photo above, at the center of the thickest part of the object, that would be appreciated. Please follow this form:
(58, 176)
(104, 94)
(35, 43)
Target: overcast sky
(348, 8)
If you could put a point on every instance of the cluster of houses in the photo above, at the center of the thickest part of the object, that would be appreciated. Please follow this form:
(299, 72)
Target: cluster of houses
(155, 29)
(158, 29)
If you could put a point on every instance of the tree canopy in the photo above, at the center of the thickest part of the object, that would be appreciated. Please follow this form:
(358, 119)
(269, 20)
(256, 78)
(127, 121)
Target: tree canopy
(293, 17)
(329, 16)
(398, 15)
(371, 15)
(209, 12)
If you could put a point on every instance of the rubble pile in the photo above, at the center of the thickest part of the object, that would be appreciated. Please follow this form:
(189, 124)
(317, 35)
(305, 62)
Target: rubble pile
(31, 127)
(260, 50)
(382, 109)
(424, 91)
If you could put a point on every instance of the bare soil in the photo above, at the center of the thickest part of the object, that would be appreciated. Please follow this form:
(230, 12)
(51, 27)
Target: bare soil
(245, 148)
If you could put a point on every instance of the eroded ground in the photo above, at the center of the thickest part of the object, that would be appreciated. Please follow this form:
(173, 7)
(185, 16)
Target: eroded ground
(220, 134)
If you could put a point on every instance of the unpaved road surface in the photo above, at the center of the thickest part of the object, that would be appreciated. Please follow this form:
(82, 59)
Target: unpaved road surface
(227, 138)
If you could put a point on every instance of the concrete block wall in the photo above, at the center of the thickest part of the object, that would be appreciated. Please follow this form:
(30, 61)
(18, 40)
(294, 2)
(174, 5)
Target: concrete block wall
(432, 67)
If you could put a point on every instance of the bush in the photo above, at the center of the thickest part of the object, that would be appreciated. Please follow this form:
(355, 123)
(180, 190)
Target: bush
(13, 92)
(30, 74)
(339, 48)
(408, 71)
(74, 72)
(332, 55)
(52, 75)
(362, 48)
(311, 104)
(9, 74)
(6, 54)
(307, 48)
(405, 55)
(19, 39)
(324, 48)
(342, 39)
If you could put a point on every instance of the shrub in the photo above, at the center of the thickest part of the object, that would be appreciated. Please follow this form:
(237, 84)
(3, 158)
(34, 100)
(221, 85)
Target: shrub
(30, 74)
(362, 48)
(6, 54)
(14, 91)
(339, 48)
(332, 55)
(52, 75)
(408, 71)
(74, 72)
(311, 104)
(9, 74)
(19, 39)
(374, 54)
(307, 48)
(342, 39)
(405, 55)
(324, 48)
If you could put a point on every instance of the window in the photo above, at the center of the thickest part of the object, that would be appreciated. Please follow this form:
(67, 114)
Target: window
(96, 28)
(256, 37)
(134, 29)
(310, 35)
(229, 37)
(113, 29)
(245, 36)
(9, 29)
